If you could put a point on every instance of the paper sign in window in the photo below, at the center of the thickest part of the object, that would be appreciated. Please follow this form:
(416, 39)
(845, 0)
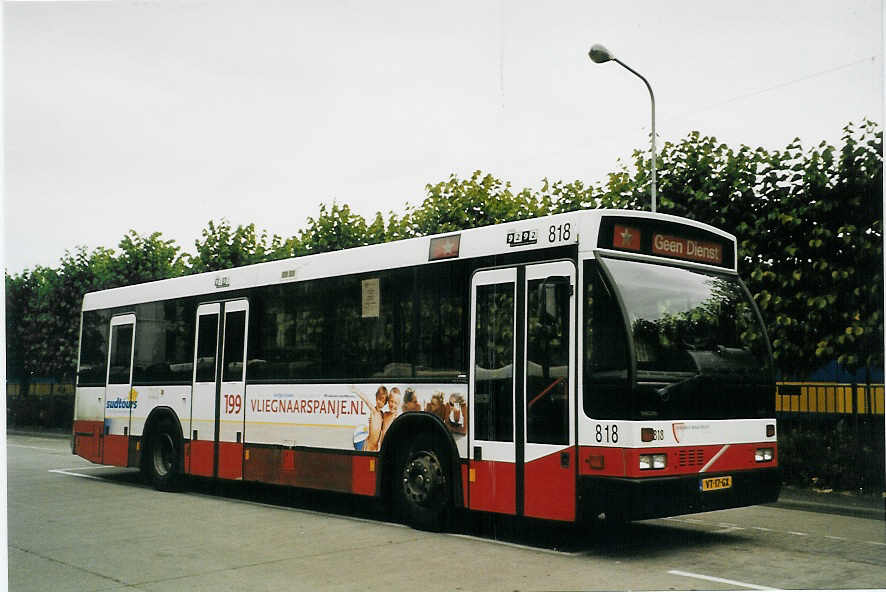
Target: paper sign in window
(371, 298)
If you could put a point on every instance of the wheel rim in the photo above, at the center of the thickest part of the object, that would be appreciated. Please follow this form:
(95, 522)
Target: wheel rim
(423, 478)
(164, 454)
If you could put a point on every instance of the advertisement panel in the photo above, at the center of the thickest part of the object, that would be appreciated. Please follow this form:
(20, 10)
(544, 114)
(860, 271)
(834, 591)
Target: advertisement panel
(348, 416)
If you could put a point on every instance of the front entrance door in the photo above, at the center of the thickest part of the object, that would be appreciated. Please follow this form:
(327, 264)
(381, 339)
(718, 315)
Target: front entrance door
(522, 396)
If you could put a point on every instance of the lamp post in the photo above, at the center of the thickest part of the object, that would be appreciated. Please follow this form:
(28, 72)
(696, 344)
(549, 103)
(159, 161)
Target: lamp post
(600, 55)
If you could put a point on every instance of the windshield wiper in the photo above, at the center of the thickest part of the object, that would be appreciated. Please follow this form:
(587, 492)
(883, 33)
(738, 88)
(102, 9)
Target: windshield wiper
(664, 393)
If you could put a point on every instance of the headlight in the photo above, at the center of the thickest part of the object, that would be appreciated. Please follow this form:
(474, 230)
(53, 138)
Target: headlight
(653, 461)
(764, 454)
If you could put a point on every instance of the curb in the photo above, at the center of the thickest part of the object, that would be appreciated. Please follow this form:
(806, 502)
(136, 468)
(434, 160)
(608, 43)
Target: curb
(871, 507)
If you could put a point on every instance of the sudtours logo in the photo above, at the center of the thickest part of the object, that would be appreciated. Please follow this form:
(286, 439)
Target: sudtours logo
(121, 403)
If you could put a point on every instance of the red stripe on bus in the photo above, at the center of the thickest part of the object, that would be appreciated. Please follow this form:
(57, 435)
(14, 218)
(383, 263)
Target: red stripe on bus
(115, 450)
(230, 460)
(88, 439)
(323, 470)
(363, 472)
(494, 487)
(741, 456)
(549, 487)
(601, 461)
(681, 460)
(465, 483)
(200, 455)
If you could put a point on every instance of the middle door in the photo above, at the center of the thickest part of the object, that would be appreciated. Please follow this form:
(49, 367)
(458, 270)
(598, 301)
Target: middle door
(219, 390)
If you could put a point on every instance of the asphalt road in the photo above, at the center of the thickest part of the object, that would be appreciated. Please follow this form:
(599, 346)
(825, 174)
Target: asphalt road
(78, 526)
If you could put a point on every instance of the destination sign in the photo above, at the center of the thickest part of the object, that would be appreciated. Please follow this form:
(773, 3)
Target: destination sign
(686, 248)
(666, 238)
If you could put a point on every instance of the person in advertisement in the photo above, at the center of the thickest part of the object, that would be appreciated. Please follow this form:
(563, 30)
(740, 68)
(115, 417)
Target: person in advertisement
(391, 414)
(376, 420)
(410, 401)
(389, 404)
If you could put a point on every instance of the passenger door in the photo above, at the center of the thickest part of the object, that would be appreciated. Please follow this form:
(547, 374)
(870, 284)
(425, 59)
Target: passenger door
(521, 391)
(218, 402)
(119, 395)
(200, 459)
(492, 472)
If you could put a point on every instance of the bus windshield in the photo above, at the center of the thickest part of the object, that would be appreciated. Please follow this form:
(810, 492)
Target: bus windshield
(697, 339)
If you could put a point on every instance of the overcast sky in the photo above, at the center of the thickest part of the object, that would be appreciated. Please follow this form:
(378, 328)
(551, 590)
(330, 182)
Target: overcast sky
(159, 116)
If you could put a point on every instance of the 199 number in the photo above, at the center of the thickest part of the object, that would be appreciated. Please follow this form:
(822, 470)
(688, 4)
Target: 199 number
(233, 404)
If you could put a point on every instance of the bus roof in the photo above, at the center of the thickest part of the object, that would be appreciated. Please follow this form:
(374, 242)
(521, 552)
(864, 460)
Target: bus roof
(580, 227)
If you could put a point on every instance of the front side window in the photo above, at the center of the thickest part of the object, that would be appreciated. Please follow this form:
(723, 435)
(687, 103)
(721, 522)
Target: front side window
(606, 361)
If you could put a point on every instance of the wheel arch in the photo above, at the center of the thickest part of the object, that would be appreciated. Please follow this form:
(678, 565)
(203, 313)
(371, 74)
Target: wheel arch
(399, 434)
(157, 415)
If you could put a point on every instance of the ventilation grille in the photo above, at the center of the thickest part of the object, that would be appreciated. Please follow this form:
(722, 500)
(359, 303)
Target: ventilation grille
(691, 457)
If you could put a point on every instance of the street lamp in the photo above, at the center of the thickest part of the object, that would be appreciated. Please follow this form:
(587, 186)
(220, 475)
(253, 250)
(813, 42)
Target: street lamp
(601, 55)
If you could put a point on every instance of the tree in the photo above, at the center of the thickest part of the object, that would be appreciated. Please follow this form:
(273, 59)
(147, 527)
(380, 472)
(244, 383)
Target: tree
(224, 247)
(459, 204)
(339, 228)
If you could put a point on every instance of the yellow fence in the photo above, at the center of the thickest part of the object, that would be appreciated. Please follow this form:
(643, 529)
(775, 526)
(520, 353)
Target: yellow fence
(40, 389)
(829, 397)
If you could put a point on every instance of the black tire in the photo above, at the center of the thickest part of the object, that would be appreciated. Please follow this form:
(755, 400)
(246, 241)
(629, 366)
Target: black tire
(422, 485)
(163, 456)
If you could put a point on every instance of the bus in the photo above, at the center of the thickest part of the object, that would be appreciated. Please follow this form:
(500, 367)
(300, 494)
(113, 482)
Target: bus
(591, 364)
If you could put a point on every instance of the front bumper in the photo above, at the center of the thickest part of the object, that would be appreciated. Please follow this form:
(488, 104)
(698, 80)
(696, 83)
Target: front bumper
(656, 497)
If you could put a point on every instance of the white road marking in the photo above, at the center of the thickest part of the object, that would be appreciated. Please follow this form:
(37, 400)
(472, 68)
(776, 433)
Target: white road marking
(836, 538)
(36, 448)
(720, 580)
(798, 533)
(514, 545)
(876, 543)
(73, 474)
(762, 528)
(86, 468)
(728, 529)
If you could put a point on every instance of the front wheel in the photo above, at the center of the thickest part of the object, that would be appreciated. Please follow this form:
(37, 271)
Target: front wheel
(163, 456)
(422, 486)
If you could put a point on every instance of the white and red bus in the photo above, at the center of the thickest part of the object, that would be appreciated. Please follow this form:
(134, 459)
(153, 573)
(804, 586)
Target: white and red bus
(595, 362)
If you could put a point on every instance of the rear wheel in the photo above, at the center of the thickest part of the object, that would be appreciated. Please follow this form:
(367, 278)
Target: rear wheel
(422, 485)
(163, 456)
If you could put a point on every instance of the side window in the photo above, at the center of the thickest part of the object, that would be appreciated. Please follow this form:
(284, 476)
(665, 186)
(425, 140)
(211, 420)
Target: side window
(93, 368)
(207, 345)
(494, 361)
(121, 354)
(235, 333)
(606, 360)
(164, 342)
(441, 300)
